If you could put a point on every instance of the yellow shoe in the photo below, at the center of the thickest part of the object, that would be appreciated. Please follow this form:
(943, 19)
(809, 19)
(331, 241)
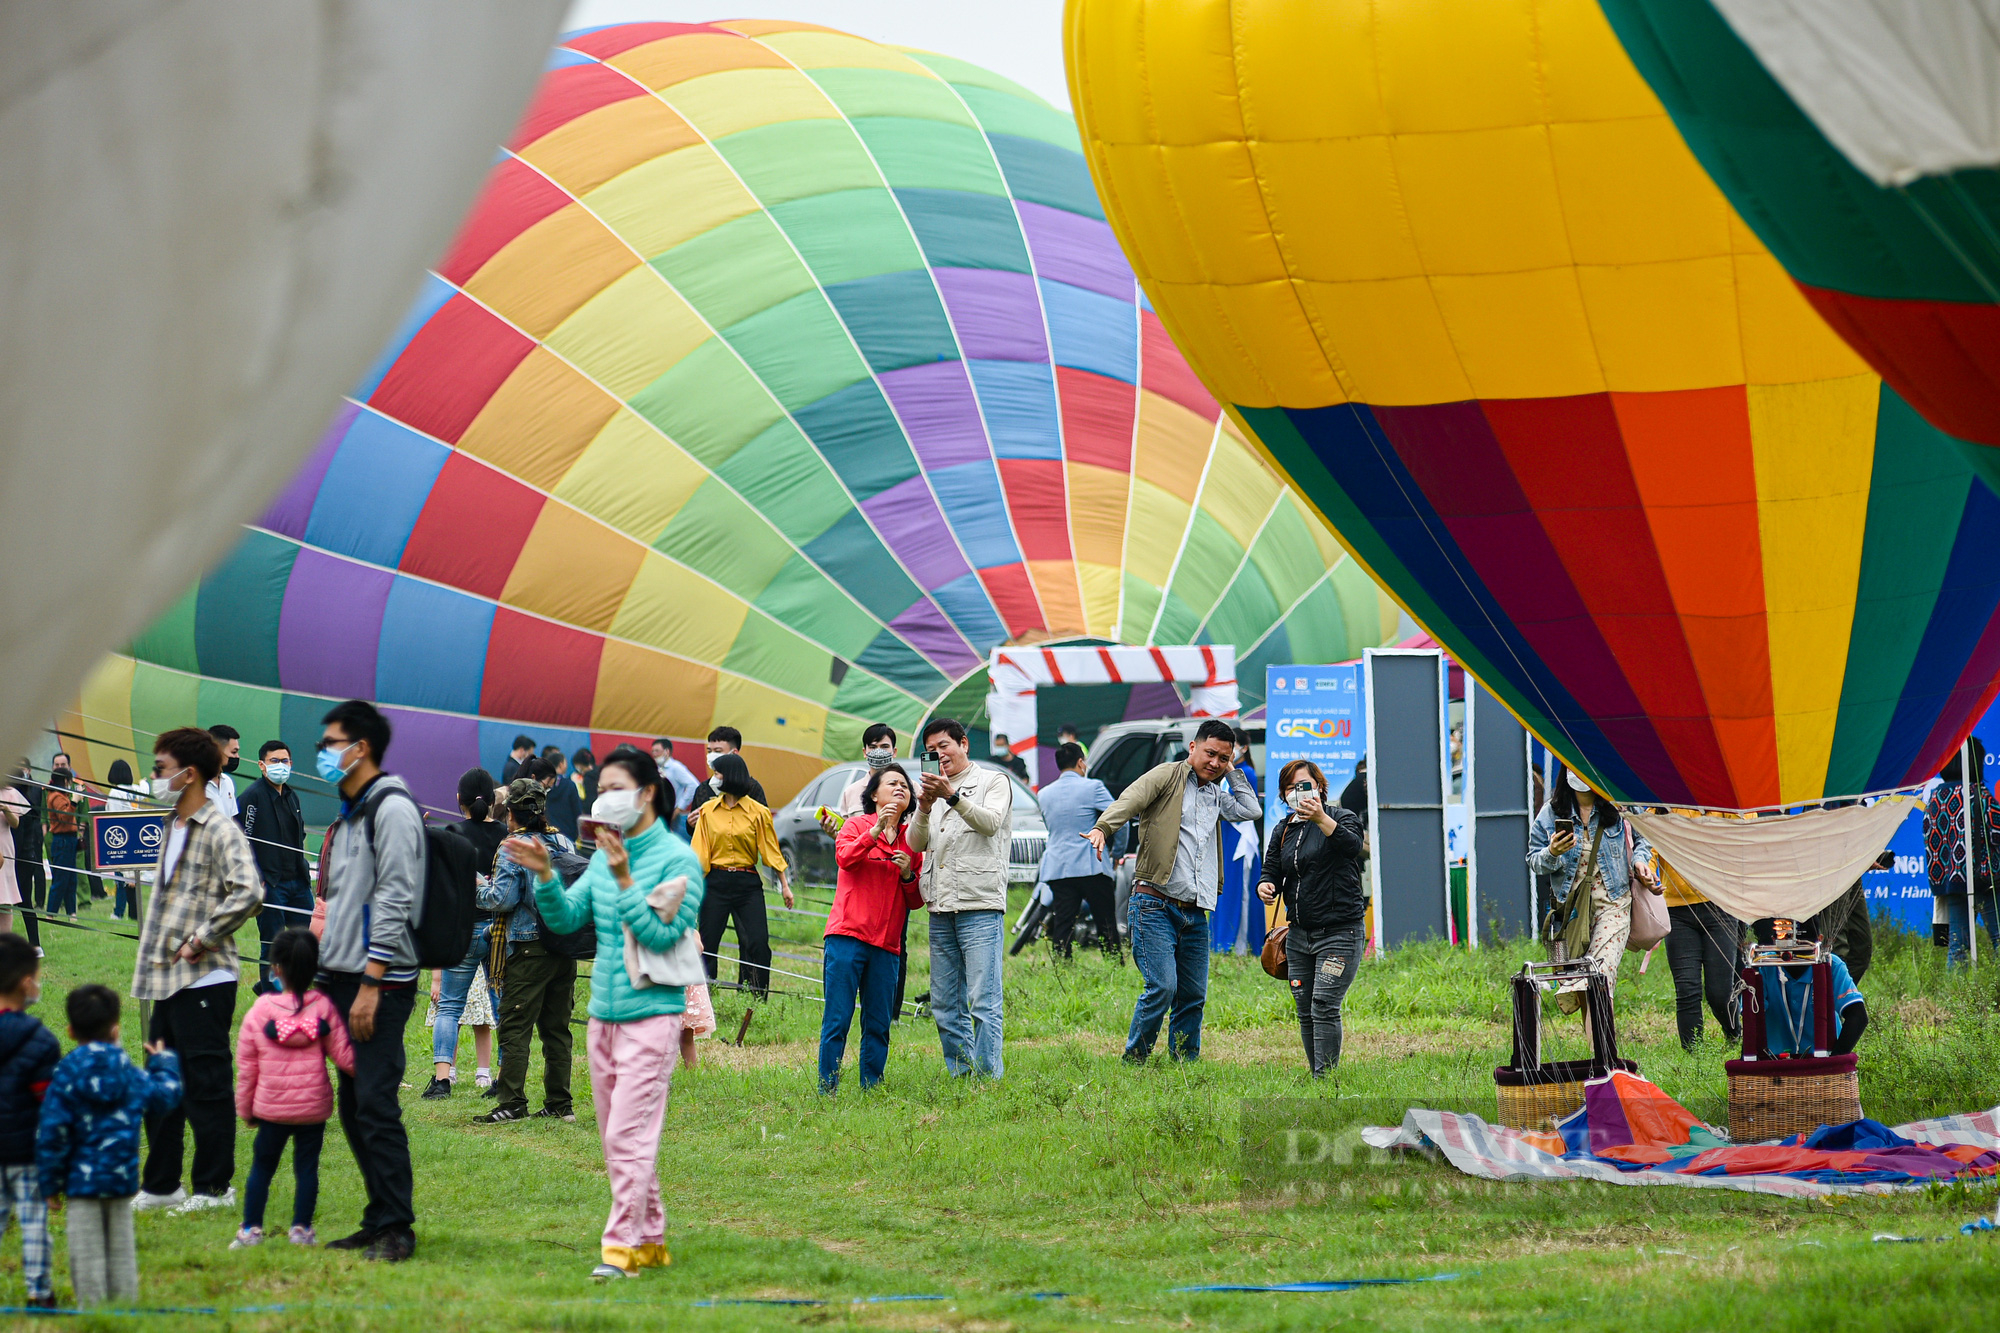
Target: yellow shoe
(624, 1258)
(652, 1256)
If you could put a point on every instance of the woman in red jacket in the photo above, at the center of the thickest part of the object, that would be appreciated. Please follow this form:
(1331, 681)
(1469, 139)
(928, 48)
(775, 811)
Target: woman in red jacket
(864, 933)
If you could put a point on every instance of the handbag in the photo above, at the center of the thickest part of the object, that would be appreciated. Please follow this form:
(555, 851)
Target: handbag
(1273, 955)
(1570, 922)
(680, 965)
(1650, 922)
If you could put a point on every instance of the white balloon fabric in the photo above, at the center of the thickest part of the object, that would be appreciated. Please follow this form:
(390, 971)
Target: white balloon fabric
(214, 213)
(1754, 870)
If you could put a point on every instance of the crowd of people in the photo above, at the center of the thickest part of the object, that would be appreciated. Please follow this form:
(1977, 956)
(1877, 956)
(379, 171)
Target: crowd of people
(633, 865)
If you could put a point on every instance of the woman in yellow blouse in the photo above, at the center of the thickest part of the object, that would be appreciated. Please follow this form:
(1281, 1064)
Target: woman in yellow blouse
(732, 834)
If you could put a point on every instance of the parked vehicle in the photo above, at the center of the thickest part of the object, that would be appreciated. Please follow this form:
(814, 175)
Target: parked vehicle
(809, 849)
(1124, 750)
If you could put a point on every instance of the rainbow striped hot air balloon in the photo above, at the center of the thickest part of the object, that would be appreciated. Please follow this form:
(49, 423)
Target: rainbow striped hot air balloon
(1861, 141)
(1454, 268)
(777, 376)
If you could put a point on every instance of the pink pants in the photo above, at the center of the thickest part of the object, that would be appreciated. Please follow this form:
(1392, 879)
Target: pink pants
(631, 1066)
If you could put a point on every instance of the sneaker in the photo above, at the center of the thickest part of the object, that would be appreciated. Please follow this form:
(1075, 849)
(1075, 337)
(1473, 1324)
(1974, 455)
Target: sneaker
(437, 1090)
(608, 1273)
(567, 1117)
(247, 1237)
(488, 1088)
(500, 1115)
(392, 1246)
(305, 1236)
(360, 1240)
(201, 1203)
(482, 1082)
(146, 1203)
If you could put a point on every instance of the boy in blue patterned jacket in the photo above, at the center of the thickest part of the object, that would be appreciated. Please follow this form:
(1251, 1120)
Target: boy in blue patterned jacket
(88, 1144)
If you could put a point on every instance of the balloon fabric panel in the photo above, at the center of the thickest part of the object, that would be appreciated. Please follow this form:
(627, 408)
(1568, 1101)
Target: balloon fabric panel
(1478, 301)
(1908, 273)
(775, 378)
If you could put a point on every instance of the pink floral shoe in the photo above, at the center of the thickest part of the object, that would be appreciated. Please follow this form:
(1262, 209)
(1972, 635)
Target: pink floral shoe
(305, 1236)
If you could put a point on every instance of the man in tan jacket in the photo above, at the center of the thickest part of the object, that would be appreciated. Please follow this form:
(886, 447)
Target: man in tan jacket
(1179, 806)
(964, 826)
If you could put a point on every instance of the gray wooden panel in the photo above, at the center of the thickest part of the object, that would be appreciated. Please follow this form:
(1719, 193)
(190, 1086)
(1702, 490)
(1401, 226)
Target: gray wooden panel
(1406, 793)
(1497, 794)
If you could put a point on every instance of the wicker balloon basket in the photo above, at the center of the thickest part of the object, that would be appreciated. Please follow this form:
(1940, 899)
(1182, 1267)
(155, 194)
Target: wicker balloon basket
(1553, 1093)
(1775, 1099)
(1533, 1093)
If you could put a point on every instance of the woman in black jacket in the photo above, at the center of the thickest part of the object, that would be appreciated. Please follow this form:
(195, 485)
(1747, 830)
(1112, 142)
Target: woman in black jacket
(1314, 863)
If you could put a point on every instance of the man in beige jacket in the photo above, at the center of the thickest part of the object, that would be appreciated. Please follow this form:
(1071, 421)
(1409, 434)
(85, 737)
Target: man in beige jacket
(964, 826)
(1178, 806)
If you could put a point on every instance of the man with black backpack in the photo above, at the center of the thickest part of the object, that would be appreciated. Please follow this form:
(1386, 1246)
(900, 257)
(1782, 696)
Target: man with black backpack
(538, 978)
(377, 881)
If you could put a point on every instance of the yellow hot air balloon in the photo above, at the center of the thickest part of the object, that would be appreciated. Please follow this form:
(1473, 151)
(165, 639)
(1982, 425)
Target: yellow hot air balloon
(1454, 269)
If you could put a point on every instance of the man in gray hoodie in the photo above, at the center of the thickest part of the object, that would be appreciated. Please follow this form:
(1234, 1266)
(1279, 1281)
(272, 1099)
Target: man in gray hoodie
(374, 878)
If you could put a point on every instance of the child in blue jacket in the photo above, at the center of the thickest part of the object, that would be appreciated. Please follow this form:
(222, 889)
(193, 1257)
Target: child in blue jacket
(88, 1143)
(28, 1055)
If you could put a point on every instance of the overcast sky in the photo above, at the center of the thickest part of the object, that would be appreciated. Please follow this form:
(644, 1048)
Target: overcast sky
(1021, 39)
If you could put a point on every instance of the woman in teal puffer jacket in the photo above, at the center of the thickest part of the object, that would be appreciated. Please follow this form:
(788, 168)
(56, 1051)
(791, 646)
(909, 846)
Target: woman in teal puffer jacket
(635, 1031)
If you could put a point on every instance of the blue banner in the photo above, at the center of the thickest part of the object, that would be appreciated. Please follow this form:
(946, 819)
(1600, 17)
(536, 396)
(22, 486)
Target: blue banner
(1312, 712)
(126, 841)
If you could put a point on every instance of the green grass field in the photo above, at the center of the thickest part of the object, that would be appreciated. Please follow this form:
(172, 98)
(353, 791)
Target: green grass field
(1076, 1174)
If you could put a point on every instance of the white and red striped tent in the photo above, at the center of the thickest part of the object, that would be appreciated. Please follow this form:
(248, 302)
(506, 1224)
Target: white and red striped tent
(1016, 673)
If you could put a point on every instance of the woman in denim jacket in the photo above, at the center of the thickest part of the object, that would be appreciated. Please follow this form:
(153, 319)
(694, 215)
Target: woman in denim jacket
(1560, 857)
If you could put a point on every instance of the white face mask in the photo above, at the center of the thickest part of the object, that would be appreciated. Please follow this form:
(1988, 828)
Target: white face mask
(619, 806)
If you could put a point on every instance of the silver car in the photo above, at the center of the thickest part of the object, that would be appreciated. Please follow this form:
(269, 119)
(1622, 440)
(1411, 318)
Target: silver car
(809, 850)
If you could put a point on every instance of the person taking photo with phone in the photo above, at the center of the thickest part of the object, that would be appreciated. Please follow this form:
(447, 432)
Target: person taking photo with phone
(1593, 859)
(1313, 862)
(964, 827)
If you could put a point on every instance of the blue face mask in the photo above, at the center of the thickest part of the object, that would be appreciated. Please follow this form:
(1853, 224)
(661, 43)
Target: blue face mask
(328, 762)
(278, 774)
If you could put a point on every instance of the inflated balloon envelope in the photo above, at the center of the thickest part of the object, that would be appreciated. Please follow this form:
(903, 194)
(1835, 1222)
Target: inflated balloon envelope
(775, 378)
(1456, 272)
(213, 213)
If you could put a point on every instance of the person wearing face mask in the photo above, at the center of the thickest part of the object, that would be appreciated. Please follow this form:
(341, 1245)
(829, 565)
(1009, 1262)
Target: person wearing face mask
(63, 803)
(677, 776)
(722, 741)
(733, 834)
(1313, 862)
(878, 750)
(373, 877)
(538, 987)
(273, 820)
(222, 788)
(1580, 841)
(206, 888)
(1003, 755)
(634, 1035)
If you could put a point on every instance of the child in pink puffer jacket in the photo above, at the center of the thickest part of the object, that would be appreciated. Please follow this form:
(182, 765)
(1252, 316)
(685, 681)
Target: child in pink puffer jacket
(281, 1083)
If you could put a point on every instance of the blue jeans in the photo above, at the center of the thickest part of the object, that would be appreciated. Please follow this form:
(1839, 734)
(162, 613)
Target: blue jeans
(1170, 945)
(265, 1154)
(295, 894)
(1958, 918)
(856, 968)
(62, 877)
(966, 949)
(451, 995)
